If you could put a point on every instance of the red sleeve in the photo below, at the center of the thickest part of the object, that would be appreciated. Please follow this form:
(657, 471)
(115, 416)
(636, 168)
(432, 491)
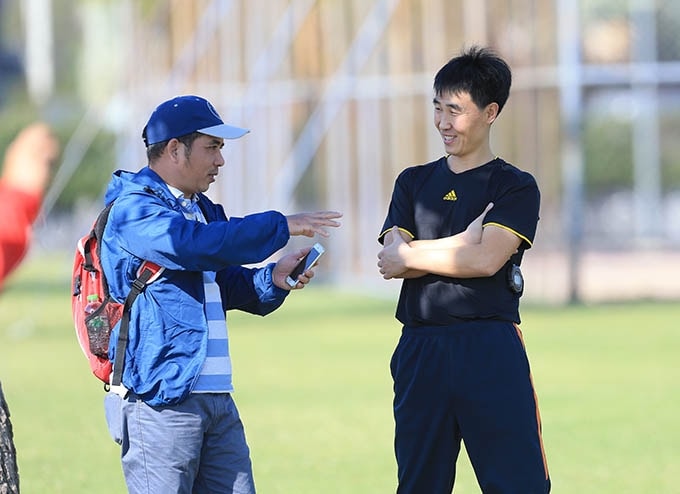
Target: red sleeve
(18, 209)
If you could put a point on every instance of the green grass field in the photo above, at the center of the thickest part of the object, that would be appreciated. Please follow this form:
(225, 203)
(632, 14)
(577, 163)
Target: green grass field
(314, 391)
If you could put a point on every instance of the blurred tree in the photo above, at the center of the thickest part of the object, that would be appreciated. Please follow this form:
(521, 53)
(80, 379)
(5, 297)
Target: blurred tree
(608, 154)
(668, 20)
(64, 109)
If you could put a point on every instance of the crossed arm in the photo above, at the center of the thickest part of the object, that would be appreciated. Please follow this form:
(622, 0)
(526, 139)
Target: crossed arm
(474, 253)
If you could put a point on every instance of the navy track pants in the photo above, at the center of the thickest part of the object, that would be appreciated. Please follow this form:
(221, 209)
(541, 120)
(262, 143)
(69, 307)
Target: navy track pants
(472, 382)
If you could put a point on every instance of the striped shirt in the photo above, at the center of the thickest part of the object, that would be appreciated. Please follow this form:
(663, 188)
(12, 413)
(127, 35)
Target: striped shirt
(215, 376)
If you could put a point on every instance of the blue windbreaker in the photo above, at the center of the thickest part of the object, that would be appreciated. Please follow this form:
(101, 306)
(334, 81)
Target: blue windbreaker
(168, 329)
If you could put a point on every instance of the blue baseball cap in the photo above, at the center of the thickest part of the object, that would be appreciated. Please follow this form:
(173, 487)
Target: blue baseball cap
(184, 115)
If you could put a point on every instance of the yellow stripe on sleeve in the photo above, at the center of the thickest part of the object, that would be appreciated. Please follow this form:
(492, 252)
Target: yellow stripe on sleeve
(510, 230)
(400, 229)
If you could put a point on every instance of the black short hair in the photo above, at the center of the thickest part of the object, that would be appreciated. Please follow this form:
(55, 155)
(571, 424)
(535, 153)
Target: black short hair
(154, 151)
(479, 72)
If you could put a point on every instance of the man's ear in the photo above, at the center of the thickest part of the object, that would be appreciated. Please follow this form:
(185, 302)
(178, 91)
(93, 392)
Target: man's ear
(172, 148)
(491, 112)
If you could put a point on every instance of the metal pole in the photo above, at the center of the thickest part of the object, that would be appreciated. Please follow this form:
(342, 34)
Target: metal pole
(39, 41)
(338, 91)
(645, 121)
(570, 82)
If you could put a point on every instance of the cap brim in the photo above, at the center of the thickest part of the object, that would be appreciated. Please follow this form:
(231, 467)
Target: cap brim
(224, 131)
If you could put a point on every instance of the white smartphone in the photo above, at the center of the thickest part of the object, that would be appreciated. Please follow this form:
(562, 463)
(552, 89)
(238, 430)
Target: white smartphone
(305, 263)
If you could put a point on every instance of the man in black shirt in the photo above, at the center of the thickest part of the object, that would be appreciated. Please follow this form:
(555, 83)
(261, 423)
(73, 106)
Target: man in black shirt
(455, 232)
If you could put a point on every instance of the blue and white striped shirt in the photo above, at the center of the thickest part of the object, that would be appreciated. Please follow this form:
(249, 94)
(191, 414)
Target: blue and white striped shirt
(215, 376)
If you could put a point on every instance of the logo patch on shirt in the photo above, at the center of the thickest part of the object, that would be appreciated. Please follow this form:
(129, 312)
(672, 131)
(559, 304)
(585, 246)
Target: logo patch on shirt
(450, 196)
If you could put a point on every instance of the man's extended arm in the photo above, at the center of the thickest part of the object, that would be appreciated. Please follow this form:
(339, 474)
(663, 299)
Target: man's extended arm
(25, 175)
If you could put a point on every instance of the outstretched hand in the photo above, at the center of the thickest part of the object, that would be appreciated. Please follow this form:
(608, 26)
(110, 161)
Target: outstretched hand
(309, 224)
(29, 158)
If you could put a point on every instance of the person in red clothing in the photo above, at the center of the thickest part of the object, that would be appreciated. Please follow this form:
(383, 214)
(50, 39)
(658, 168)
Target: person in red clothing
(25, 175)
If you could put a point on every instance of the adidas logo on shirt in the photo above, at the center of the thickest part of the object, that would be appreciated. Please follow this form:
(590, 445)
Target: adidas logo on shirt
(450, 196)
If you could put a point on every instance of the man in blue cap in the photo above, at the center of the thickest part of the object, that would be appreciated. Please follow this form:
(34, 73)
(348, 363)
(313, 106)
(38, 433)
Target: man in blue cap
(174, 417)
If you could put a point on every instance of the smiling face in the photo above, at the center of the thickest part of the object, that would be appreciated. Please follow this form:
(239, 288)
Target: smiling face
(464, 127)
(198, 166)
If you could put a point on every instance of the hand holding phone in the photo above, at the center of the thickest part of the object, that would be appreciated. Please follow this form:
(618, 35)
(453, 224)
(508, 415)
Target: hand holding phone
(305, 263)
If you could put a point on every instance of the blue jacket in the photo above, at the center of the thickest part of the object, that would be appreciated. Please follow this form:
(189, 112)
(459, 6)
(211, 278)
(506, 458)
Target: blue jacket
(168, 329)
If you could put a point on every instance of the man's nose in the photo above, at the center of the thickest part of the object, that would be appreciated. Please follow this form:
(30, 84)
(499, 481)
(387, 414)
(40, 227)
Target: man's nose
(445, 122)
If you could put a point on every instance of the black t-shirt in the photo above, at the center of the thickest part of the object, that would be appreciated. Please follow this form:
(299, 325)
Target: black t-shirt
(430, 201)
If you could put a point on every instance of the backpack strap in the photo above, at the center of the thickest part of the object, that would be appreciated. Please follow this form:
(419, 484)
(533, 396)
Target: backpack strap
(97, 233)
(147, 273)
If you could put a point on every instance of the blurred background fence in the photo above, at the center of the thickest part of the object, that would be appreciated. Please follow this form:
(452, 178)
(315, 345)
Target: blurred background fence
(337, 94)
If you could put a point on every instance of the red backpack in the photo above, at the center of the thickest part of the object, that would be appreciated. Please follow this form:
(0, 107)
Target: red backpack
(95, 313)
